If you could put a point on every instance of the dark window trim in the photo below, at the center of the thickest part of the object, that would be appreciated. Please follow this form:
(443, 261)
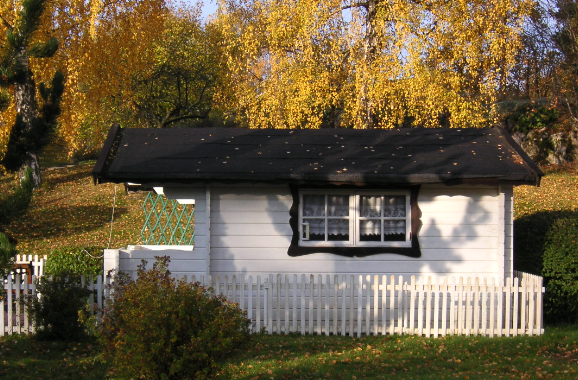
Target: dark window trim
(413, 251)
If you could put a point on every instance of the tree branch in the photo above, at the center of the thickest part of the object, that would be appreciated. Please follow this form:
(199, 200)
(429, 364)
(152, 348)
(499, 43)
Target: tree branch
(6, 23)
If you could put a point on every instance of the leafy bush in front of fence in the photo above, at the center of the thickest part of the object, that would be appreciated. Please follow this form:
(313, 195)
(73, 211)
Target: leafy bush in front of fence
(55, 312)
(156, 327)
(560, 272)
(7, 253)
(85, 261)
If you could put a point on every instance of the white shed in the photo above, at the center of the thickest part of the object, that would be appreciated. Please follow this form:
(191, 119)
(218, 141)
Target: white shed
(334, 201)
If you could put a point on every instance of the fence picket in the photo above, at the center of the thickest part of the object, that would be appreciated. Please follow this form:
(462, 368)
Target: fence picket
(258, 306)
(400, 305)
(302, 304)
(287, 288)
(319, 304)
(295, 304)
(335, 303)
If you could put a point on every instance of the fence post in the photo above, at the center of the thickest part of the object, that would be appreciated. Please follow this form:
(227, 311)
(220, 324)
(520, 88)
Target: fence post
(111, 260)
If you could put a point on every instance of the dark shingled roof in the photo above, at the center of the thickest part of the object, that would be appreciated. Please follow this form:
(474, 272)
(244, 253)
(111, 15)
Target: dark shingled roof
(323, 156)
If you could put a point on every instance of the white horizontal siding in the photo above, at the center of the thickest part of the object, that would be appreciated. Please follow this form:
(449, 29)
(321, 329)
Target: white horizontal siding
(366, 266)
(250, 234)
(280, 254)
(182, 262)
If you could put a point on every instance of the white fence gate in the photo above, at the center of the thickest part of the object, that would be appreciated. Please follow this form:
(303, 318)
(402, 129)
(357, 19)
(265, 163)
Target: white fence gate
(352, 305)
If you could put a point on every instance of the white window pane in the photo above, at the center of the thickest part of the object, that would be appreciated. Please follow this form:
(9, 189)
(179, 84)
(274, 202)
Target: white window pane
(313, 205)
(338, 229)
(394, 230)
(316, 229)
(394, 206)
(370, 230)
(370, 206)
(338, 205)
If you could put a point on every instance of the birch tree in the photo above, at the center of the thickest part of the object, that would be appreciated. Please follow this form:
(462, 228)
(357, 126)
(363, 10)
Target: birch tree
(364, 64)
(32, 126)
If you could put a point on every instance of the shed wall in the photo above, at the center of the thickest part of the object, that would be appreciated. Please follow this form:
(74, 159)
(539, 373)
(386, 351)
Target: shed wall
(250, 234)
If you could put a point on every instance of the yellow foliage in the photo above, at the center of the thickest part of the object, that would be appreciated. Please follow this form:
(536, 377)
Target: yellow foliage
(101, 45)
(313, 63)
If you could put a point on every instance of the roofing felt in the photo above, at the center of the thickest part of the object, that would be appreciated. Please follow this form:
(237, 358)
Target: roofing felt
(350, 156)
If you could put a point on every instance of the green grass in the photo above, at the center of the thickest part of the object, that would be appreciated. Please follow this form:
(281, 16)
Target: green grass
(23, 357)
(558, 192)
(553, 355)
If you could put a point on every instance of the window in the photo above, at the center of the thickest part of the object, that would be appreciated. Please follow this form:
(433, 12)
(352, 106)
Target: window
(369, 218)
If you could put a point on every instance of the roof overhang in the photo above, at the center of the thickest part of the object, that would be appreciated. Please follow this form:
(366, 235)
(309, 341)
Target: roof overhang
(164, 157)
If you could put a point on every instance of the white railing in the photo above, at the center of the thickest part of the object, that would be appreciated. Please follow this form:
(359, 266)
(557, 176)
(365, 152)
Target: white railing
(355, 305)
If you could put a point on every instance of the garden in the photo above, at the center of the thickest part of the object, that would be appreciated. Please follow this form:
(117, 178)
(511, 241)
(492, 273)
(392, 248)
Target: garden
(69, 202)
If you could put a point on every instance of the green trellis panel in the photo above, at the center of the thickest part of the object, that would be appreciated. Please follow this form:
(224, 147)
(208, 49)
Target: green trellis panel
(167, 222)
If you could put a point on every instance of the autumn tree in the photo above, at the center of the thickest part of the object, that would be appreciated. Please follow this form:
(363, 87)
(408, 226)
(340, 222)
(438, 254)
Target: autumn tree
(179, 87)
(376, 63)
(566, 40)
(103, 45)
(33, 126)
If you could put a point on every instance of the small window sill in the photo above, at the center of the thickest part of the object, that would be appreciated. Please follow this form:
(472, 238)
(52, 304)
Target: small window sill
(160, 247)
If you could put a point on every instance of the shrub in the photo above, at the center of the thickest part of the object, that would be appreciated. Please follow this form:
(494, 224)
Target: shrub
(55, 312)
(561, 272)
(75, 260)
(155, 327)
(7, 253)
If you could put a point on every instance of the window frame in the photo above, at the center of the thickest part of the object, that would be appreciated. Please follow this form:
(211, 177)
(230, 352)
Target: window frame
(410, 247)
(354, 218)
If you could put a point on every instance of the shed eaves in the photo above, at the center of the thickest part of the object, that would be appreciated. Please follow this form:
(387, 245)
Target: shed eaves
(374, 156)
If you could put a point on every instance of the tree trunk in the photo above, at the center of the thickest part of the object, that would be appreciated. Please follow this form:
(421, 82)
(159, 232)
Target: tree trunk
(367, 116)
(25, 96)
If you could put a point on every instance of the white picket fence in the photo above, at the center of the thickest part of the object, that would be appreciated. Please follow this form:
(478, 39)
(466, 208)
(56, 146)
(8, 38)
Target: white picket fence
(354, 305)
(35, 262)
(13, 316)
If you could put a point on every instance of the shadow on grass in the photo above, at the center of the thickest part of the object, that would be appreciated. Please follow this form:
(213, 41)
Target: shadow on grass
(24, 357)
(530, 236)
(57, 177)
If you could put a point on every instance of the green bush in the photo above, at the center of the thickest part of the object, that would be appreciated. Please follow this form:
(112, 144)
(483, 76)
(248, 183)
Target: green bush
(7, 254)
(530, 234)
(55, 313)
(531, 116)
(560, 272)
(76, 260)
(155, 327)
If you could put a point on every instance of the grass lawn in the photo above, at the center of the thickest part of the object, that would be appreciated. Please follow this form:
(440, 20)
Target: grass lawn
(553, 355)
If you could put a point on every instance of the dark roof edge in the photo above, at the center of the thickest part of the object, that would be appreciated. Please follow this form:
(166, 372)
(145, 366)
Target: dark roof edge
(104, 153)
(147, 183)
(527, 160)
